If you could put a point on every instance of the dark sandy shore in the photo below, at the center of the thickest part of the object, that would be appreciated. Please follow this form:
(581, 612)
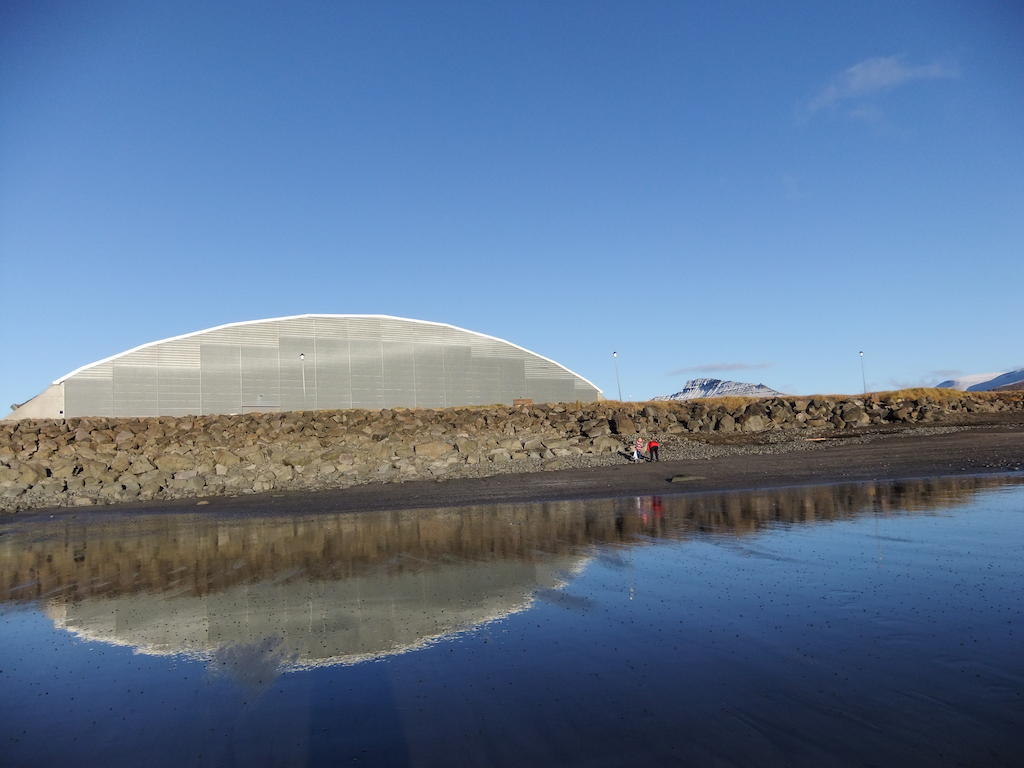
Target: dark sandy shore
(973, 450)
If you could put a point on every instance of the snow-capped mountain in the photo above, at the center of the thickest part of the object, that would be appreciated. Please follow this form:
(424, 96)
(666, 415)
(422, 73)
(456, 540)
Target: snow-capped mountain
(964, 382)
(981, 382)
(1010, 379)
(695, 388)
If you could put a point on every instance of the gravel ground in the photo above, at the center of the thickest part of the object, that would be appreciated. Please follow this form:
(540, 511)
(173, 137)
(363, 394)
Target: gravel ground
(691, 448)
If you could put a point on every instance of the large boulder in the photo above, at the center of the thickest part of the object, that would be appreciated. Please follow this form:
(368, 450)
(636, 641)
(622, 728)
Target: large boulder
(124, 438)
(754, 422)
(225, 457)
(855, 416)
(466, 446)
(553, 444)
(623, 424)
(120, 462)
(903, 413)
(434, 449)
(606, 444)
(174, 462)
(30, 473)
(63, 468)
(141, 465)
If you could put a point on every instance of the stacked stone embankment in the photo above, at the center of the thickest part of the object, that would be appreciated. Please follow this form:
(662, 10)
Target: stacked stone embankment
(90, 461)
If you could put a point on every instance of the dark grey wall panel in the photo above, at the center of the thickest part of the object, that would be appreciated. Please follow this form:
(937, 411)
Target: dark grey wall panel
(484, 379)
(513, 380)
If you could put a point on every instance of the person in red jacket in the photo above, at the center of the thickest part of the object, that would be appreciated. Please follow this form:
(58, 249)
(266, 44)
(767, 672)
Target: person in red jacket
(652, 450)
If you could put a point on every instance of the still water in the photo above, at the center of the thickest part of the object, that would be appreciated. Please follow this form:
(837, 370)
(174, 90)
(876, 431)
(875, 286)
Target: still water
(831, 625)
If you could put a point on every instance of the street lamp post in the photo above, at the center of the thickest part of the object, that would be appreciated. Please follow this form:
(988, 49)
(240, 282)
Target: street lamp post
(618, 383)
(863, 381)
(302, 357)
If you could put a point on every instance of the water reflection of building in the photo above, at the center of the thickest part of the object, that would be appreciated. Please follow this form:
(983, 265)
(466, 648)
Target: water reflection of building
(81, 558)
(313, 623)
(340, 588)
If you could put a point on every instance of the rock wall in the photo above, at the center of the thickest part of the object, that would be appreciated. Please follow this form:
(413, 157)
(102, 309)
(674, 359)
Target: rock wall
(105, 460)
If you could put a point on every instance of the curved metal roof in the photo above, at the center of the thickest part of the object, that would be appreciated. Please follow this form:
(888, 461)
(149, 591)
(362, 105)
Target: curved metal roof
(316, 315)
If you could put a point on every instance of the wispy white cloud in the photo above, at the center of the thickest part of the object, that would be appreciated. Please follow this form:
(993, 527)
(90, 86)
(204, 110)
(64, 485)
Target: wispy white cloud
(869, 114)
(719, 368)
(876, 75)
(899, 383)
(945, 373)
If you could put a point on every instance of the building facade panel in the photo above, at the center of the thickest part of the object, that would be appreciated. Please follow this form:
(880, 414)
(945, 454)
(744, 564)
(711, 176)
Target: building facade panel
(333, 372)
(220, 378)
(317, 362)
(428, 360)
(261, 380)
(136, 387)
(88, 396)
(399, 374)
(367, 370)
(298, 372)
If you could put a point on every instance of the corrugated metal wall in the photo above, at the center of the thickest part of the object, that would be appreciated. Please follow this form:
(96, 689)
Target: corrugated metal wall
(318, 363)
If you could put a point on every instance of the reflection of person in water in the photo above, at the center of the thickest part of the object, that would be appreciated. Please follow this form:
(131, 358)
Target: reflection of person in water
(656, 506)
(650, 510)
(643, 510)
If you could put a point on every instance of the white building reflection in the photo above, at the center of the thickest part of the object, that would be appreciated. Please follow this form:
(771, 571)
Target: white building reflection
(302, 624)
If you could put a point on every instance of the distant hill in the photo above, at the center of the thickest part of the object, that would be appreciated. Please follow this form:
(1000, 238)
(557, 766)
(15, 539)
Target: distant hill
(695, 388)
(983, 382)
(963, 382)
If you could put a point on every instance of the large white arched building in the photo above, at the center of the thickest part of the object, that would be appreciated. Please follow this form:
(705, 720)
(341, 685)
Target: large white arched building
(309, 362)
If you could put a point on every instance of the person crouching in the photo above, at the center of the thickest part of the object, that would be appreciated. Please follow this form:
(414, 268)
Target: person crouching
(638, 449)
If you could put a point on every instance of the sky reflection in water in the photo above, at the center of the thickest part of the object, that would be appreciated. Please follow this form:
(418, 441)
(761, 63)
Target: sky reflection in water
(825, 625)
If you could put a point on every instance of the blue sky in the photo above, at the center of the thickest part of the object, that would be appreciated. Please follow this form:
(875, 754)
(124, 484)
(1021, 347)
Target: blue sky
(710, 189)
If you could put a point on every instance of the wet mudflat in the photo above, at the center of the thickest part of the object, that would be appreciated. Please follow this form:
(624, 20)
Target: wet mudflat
(829, 625)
